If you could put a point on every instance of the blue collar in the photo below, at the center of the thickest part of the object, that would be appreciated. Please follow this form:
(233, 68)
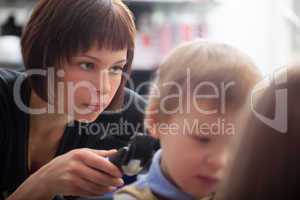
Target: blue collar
(160, 185)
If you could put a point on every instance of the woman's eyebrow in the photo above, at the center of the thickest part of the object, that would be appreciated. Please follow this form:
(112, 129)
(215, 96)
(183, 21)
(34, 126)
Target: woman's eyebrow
(91, 57)
(121, 61)
(97, 59)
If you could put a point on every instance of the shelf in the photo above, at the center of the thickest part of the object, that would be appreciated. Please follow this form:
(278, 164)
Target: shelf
(171, 1)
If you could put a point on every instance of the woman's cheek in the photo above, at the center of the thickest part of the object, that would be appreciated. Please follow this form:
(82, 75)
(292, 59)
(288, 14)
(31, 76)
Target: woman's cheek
(116, 84)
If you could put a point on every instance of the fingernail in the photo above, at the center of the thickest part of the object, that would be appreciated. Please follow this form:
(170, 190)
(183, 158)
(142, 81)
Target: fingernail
(121, 182)
(111, 189)
(119, 174)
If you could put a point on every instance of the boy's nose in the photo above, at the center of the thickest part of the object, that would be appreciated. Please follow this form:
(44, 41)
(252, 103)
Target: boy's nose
(217, 161)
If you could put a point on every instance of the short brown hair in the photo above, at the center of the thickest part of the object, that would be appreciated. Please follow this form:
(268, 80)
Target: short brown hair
(59, 29)
(206, 61)
(267, 162)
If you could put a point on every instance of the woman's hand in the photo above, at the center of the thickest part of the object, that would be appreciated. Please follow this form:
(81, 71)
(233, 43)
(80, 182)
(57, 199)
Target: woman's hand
(81, 172)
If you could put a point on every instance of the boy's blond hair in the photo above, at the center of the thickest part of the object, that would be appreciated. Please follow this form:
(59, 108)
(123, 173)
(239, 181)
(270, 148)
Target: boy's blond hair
(201, 62)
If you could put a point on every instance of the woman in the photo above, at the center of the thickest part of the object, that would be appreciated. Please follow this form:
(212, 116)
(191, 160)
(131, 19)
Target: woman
(267, 164)
(77, 55)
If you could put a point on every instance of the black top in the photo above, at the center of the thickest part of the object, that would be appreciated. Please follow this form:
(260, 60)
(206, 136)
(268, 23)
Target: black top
(107, 132)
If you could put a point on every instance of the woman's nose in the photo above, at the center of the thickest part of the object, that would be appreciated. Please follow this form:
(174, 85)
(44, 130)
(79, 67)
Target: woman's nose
(104, 84)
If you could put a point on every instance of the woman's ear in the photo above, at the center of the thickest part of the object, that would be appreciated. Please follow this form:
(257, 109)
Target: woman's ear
(151, 120)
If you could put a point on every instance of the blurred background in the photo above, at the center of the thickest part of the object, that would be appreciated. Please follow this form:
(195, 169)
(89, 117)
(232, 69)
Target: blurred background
(267, 30)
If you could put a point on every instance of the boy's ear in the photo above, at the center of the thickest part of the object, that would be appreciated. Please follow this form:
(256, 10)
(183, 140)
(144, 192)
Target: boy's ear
(151, 121)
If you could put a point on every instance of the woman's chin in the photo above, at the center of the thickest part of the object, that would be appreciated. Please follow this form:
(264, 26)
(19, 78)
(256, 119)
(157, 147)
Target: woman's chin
(87, 118)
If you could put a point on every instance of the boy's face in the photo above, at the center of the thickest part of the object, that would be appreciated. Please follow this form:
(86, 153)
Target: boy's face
(195, 151)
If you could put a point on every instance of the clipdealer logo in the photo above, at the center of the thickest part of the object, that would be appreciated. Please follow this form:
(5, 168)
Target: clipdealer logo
(280, 121)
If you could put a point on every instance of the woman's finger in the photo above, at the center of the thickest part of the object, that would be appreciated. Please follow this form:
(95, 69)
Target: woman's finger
(104, 153)
(98, 177)
(95, 161)
(85, 188)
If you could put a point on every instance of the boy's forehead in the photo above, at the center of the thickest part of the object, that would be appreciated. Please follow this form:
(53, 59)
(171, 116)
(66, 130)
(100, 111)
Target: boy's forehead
(204, 116)
(205, 125)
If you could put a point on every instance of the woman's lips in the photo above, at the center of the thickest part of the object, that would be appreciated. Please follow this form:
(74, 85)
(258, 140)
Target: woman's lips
(95, 107)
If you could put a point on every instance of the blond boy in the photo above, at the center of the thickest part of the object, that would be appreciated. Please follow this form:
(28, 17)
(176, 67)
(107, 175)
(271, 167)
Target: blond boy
(193, 109)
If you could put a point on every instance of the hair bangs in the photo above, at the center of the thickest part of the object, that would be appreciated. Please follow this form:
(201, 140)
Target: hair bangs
(110, 26)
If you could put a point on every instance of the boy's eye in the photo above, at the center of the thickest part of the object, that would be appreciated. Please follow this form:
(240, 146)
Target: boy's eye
(116, 70)
(204, 140)
(87, 66)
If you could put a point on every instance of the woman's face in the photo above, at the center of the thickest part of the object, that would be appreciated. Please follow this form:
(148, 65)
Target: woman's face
(89, 82)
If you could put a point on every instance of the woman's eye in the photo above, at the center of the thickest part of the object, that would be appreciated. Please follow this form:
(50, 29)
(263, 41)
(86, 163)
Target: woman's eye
(116, 70)
(87, 66)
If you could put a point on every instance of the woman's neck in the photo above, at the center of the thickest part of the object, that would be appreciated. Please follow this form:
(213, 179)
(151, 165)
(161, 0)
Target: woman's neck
(45, 123)
(47, 127)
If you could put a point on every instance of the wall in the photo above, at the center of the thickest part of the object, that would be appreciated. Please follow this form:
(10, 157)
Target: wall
(256, 26)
